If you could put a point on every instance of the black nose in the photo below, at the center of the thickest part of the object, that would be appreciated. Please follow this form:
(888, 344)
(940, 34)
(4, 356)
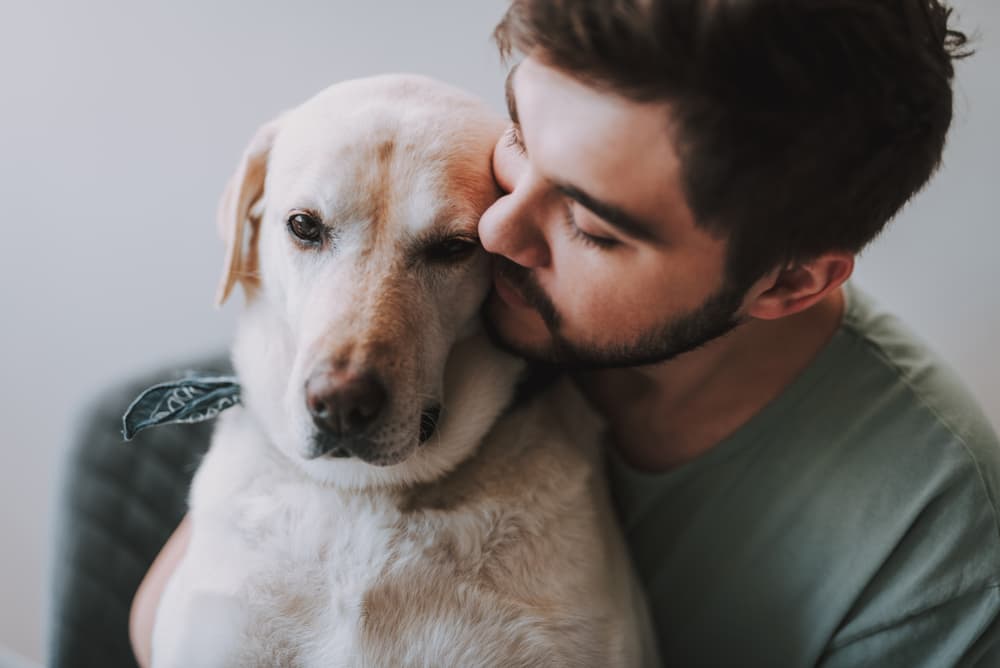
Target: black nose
(344, 405)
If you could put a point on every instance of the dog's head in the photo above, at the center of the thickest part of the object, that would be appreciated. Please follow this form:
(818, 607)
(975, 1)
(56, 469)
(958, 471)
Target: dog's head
(351, 225)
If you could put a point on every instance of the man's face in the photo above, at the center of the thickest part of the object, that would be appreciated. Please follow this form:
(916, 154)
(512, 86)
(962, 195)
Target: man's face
(597, 258)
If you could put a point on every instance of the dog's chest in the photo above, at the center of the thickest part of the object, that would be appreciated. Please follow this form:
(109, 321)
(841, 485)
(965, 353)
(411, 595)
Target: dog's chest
(306, 556)
(306, 600)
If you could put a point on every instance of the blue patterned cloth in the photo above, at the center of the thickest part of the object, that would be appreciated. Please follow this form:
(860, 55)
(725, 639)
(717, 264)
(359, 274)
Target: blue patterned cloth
(186, 401)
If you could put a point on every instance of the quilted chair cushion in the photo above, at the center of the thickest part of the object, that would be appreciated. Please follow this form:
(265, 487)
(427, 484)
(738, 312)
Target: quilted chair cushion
(118, 504)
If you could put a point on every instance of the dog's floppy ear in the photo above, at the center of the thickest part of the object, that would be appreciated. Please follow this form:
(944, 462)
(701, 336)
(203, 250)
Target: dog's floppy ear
(238, 210)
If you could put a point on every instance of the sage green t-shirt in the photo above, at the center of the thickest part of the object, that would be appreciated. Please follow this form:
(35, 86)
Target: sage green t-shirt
(852, 522)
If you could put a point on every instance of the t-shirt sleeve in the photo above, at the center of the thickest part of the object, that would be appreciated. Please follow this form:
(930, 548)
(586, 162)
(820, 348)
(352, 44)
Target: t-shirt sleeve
(935, 599)
(963, 631)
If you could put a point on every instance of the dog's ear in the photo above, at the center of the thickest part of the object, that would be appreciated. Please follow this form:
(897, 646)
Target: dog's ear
(239, 209)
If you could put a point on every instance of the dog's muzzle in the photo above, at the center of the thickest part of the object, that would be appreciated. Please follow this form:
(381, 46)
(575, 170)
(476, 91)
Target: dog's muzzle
(342, 405)
(429, 422)
(346, 408)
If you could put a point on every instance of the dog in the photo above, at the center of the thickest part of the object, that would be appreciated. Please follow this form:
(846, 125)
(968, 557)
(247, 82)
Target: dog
(381, 497)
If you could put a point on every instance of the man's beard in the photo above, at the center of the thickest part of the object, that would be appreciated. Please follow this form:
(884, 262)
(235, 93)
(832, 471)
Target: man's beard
(718, 315)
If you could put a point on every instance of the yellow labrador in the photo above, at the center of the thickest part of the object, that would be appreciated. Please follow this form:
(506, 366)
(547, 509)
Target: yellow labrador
(378, 500)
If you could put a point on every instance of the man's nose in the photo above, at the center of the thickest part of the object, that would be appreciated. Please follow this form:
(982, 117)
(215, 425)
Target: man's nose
(513, 227)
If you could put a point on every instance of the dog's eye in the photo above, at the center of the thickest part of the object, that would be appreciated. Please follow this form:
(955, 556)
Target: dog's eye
(306, 227)
(452, 249)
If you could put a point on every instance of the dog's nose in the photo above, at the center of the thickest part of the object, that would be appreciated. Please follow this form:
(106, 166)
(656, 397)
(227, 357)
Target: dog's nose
(344, 405)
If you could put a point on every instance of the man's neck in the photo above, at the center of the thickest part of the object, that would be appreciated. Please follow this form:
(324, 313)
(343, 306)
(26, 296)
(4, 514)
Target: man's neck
(662, 416)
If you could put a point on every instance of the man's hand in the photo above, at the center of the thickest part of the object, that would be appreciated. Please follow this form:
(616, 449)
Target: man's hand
(147, 597)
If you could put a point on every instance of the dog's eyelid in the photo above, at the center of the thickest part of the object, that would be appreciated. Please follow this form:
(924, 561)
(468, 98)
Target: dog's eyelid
(449, 248)
(460, 235)
(448, 225)
(305, 211)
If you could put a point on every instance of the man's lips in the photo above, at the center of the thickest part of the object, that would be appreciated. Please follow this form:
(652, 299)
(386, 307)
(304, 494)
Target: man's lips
(508, 292)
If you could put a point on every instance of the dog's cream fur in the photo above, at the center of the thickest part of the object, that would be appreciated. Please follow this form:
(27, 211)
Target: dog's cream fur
(492, 544)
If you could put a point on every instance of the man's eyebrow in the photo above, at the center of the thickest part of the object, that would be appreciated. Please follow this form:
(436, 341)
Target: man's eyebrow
(614, 215)
(508, 87)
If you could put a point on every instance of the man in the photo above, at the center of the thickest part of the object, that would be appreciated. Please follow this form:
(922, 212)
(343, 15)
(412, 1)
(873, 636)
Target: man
(812, 487)
(685, 185)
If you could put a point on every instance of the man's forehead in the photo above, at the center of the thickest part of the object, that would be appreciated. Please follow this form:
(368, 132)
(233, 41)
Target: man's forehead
(612, 155)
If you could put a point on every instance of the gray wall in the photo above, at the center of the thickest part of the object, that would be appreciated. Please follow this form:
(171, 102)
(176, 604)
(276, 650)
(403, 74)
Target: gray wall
(122, 120)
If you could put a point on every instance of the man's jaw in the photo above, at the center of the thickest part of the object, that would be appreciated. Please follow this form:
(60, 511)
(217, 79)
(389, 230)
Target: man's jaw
(521, 319)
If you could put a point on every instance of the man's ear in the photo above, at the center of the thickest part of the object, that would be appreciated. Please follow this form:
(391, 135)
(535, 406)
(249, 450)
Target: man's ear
(798, 286)
(239, 209)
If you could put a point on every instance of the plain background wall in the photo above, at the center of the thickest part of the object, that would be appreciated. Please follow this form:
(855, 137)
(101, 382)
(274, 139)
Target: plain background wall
(122, 120)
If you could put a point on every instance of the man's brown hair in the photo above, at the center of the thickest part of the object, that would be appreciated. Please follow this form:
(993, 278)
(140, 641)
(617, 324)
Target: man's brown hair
(802, 126)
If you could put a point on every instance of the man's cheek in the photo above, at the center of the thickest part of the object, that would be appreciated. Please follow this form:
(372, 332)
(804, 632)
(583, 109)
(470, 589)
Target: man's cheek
(590, 305)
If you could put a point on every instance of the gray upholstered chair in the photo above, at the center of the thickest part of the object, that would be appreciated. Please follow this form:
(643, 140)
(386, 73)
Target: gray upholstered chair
(118, 504)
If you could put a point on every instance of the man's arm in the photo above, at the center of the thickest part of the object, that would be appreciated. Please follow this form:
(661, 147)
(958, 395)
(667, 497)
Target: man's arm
(962, 631)
(147, 597)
